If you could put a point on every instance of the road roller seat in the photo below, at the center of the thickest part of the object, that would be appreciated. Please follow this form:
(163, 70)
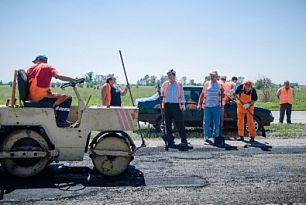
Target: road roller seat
(23, 89)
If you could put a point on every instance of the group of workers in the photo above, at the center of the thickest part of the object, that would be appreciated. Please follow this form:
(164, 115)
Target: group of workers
(213, 98)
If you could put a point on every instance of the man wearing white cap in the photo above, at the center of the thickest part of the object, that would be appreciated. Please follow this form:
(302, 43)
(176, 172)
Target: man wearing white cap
(173, 106)
(210, 100)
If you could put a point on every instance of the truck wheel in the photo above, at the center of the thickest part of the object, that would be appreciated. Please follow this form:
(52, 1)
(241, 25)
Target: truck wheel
(111, 154)
(24, 140)
(256, 124)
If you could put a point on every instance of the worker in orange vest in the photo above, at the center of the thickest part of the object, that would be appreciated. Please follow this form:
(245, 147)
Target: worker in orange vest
(39, 79)
(228, 89)
(111, 92)
(248, 96)
(211, 101)
(106, 90)
(285, 95)
(173, 105)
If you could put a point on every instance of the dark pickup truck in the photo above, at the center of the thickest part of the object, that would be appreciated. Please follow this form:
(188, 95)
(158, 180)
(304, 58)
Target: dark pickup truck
(149, 111)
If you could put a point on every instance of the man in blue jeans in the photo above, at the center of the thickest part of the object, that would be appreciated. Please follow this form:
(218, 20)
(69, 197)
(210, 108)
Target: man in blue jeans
(210, 101)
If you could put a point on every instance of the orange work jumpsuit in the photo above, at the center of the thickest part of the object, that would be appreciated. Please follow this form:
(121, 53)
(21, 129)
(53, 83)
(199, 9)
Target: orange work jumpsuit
(241, 112)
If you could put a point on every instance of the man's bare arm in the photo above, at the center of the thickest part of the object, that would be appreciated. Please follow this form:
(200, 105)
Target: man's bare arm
(64, 78)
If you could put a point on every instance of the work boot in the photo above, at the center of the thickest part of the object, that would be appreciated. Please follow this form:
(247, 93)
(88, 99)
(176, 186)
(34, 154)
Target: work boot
(252, 139)
(207, 141)
(219, 142)
(173, 146)
(189, 145)
(183, 147)
(63, 124)
(241, 138)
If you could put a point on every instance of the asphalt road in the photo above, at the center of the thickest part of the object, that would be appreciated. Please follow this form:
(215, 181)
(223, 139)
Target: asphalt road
(271, 171)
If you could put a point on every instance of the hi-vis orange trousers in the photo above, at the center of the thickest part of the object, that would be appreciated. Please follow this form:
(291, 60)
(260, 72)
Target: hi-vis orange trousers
(241, 112)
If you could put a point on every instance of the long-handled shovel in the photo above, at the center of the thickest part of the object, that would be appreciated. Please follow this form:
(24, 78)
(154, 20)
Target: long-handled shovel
(221, 139)
(221, 142)
(164, 133)
(143, 143)
(263, 130)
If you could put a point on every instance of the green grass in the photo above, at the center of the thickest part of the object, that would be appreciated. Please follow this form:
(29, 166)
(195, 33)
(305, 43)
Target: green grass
(274, 131)
(146, 91)
(6, 91)
(286, 130)
(297, 105)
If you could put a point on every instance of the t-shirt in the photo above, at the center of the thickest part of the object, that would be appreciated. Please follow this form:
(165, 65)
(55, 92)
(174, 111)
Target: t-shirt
(212, 96)
(115, 97)
(45, 75)
(252, 92)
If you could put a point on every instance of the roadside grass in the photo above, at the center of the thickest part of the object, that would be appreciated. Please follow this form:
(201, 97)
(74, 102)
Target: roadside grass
(298, 105)
(95, 100)
(146, 91)
(275, 130)
(294, 130)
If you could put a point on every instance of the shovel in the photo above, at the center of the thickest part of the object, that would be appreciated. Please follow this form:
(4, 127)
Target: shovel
(263, 130)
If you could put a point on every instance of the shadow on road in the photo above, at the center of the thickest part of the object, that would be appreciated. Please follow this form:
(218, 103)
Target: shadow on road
(256, 144)
(69, 179)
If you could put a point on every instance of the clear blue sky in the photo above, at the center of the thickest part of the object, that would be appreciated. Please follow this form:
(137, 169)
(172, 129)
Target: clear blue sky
(250, 38)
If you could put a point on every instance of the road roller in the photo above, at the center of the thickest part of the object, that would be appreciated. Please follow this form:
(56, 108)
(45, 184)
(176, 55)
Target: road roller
(30, 139)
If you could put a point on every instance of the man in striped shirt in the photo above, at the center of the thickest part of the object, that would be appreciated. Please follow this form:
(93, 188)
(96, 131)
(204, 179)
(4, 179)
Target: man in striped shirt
(210, 101)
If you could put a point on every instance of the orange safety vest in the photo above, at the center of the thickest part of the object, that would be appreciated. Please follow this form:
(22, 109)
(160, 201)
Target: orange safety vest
(165, 91)
(108, 95)
(286, 96)
(204, 93)
(37, 93)
(227, 87)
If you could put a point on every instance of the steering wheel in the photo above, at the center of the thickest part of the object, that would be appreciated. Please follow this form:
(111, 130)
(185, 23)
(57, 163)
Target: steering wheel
(73, 83)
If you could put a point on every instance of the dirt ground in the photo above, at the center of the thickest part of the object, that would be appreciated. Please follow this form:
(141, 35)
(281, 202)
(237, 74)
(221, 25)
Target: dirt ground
(271, 171)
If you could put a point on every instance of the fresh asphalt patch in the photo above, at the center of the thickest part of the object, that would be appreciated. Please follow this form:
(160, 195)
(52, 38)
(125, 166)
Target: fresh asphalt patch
(58, 178)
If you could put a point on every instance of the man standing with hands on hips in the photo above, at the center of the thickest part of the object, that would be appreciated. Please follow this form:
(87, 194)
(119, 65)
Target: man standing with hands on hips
(285, 96)
(173, 106)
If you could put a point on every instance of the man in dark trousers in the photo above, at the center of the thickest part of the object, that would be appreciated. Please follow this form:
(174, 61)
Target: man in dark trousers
(173, 106)
(285, 95)
(39, 79)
